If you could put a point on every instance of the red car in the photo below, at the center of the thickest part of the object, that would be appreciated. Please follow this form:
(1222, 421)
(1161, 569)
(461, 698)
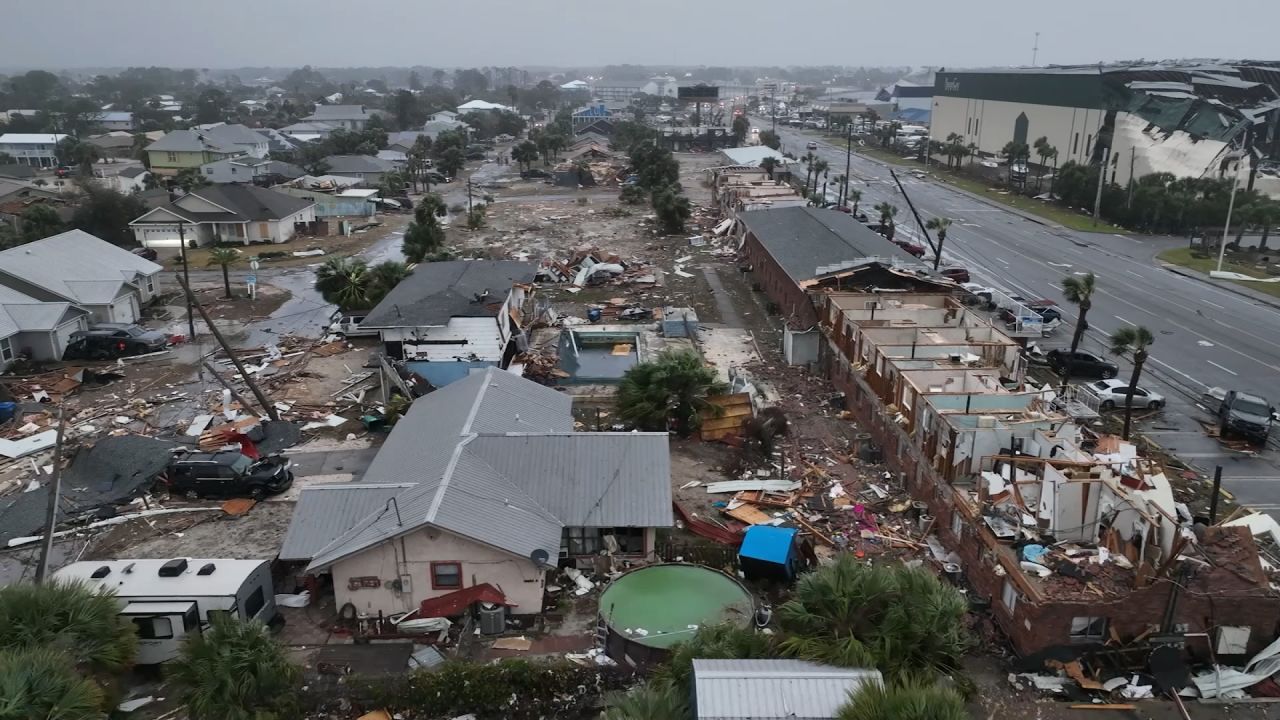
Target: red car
(913, 248)
(955, 274)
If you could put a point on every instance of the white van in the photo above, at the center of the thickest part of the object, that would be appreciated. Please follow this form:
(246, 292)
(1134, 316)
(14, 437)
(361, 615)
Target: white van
(348, 325)
(169, 600)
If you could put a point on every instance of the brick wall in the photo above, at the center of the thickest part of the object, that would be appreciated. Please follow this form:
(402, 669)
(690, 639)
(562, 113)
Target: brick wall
(1211, 598)
(793, 302)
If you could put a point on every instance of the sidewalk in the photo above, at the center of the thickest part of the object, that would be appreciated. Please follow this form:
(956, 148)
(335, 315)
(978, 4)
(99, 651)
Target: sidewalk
(1227, 285)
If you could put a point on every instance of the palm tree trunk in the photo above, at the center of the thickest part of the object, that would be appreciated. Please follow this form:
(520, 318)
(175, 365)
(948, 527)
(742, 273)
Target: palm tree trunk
(1082, 324)
(1266, 232)
(1139, 359)
(226, 282)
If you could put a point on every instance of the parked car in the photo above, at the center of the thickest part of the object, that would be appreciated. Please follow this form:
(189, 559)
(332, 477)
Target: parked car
(146, 253)
(227, 473)
(1084, 364)
(1112, 394)
(913, 248)
(1245, 415)
(811, 145)
(64, 171)
(1046, 309)
(436, 178)
(955, 274)
(108, 341)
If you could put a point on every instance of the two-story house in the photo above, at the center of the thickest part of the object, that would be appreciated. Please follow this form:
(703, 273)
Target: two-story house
(186, 149)
(246, 140)
(39, 149)
(347, 117)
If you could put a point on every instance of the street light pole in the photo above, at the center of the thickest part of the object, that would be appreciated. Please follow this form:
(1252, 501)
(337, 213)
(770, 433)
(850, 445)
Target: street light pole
(186, 279)
(848, 157)
(1102, 176)
(1231, 206)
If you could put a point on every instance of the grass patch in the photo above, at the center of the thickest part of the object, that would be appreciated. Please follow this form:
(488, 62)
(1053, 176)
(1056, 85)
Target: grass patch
(1182, 256)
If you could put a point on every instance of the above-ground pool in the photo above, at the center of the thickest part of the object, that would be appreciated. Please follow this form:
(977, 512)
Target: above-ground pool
(650, 609)
(596, 356)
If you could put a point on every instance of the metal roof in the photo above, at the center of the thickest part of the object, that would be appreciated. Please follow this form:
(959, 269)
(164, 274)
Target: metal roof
(328, 510)
(773, 689)
(358, 164)
(437, 291)
(76, 266)
(466, 482)
(32, 138)
(588, 479)
(803, 239)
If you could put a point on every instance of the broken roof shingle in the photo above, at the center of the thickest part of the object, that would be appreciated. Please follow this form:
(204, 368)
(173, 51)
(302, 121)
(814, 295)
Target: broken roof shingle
(436, 292)
(803, 239)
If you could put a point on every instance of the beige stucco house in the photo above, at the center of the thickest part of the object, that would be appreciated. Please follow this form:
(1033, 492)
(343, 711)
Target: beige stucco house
(482, 481)
(227, 213)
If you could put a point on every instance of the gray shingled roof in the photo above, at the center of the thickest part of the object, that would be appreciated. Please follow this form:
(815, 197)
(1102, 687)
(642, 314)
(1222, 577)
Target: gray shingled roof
(236, 134)
(190, 141)
(76, 266)
(246, 202)
(462, 447)
(773, 689)
(438, 291)
(339, 112)
(339, 164)
(328, 510)
(803, 239)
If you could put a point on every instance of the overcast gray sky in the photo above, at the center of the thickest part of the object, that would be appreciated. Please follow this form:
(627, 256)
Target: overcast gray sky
(451, 33)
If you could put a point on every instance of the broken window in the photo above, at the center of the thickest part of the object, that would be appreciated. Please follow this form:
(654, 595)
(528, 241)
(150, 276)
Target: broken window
(1088, 628)
(591, 541)
(445, 575)
(154, 628)
(957, 525)
(254, 603)
(1009, 596)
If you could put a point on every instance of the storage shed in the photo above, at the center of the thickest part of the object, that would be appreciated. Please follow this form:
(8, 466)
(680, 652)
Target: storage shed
(769, 553)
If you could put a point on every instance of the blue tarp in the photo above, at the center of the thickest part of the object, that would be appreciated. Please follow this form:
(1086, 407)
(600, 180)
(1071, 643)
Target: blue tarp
(440, 374)
(768, 543)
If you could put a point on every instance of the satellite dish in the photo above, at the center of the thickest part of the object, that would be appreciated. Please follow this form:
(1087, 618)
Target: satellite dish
(539, 557)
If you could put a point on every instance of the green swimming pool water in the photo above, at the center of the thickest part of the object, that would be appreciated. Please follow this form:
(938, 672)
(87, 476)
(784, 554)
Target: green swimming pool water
(666, 599)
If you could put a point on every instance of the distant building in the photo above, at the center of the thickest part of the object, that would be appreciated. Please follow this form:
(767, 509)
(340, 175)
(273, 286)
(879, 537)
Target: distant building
(39, 149)
(347, 117)
(224, 213)
(186, 149)
(115, 120)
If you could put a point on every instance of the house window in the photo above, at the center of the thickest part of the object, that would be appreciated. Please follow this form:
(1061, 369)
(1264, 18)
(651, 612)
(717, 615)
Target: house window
(254, 603)
(240, 231)
(173, 157)
(233, 171)
(975, 125)
(209, 171)
(1009, 596)
(446, 575)
(591, 541)
(957, 525)
(6, 350)
(1075, 144)
(154, 628)
(151, 285)
(1088, 629)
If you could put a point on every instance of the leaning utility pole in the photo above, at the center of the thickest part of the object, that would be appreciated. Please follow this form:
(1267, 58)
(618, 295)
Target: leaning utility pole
(55, 490)
(937, 251)
(1102, 177)
(186, 277)
(848, 158)
(244, 374)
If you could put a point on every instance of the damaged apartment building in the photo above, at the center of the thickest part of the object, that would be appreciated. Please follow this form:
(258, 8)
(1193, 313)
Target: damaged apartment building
(1073, 538)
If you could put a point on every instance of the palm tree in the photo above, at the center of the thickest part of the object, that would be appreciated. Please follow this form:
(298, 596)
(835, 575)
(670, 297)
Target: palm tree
(898, 619)
(953, 142)
(887, 212)
(1041, 146)
(69, 617)
(670, 389)
(1133, 340)
(768, 164)
(43, 683)
(652, 701)
(913, 699)
(224, 256)
(1078, 290)
(842, 183)
(972, 150)
(855, 196)
(235, 670)
(344, 282)
(820, 167)
(424, 235)
(383, 277)
(808, 161)
(939, 224)
(525, 154)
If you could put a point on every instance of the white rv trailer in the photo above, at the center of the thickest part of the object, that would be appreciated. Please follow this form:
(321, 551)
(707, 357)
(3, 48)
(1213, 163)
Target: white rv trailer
(168, 600)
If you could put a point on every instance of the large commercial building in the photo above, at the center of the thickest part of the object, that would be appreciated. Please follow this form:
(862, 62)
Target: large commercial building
(1188, 120)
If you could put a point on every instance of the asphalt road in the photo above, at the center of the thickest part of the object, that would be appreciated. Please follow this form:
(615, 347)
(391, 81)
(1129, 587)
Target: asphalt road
(1205, 336)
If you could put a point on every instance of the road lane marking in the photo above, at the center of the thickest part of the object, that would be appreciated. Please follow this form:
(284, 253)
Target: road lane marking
(1127, 322)
(1220, 307)
(1137, 275)
(1233, 372)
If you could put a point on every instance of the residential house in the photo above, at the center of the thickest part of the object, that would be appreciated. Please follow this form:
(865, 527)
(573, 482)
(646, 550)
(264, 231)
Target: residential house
(576, 85)
(114, 120)
(334, 196)
(443, 115)
(308, 131)
(1074, 538)
(482, 106)
(449, 317)
(13, 171)
(34, 329)
(246, 140)
(278, 142)
(114, 144)
(774, 689)
(590, 114)
(16, 194)
(433, 128)
(129, 179)
(183, 149)
(250, 169)
(105, 280)
(600, 126)
(398, 158)
(368, 168)
(39, 149)
(347, 117)
(404, 140)
(482, 482)
(793, 249)
(228, 213)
